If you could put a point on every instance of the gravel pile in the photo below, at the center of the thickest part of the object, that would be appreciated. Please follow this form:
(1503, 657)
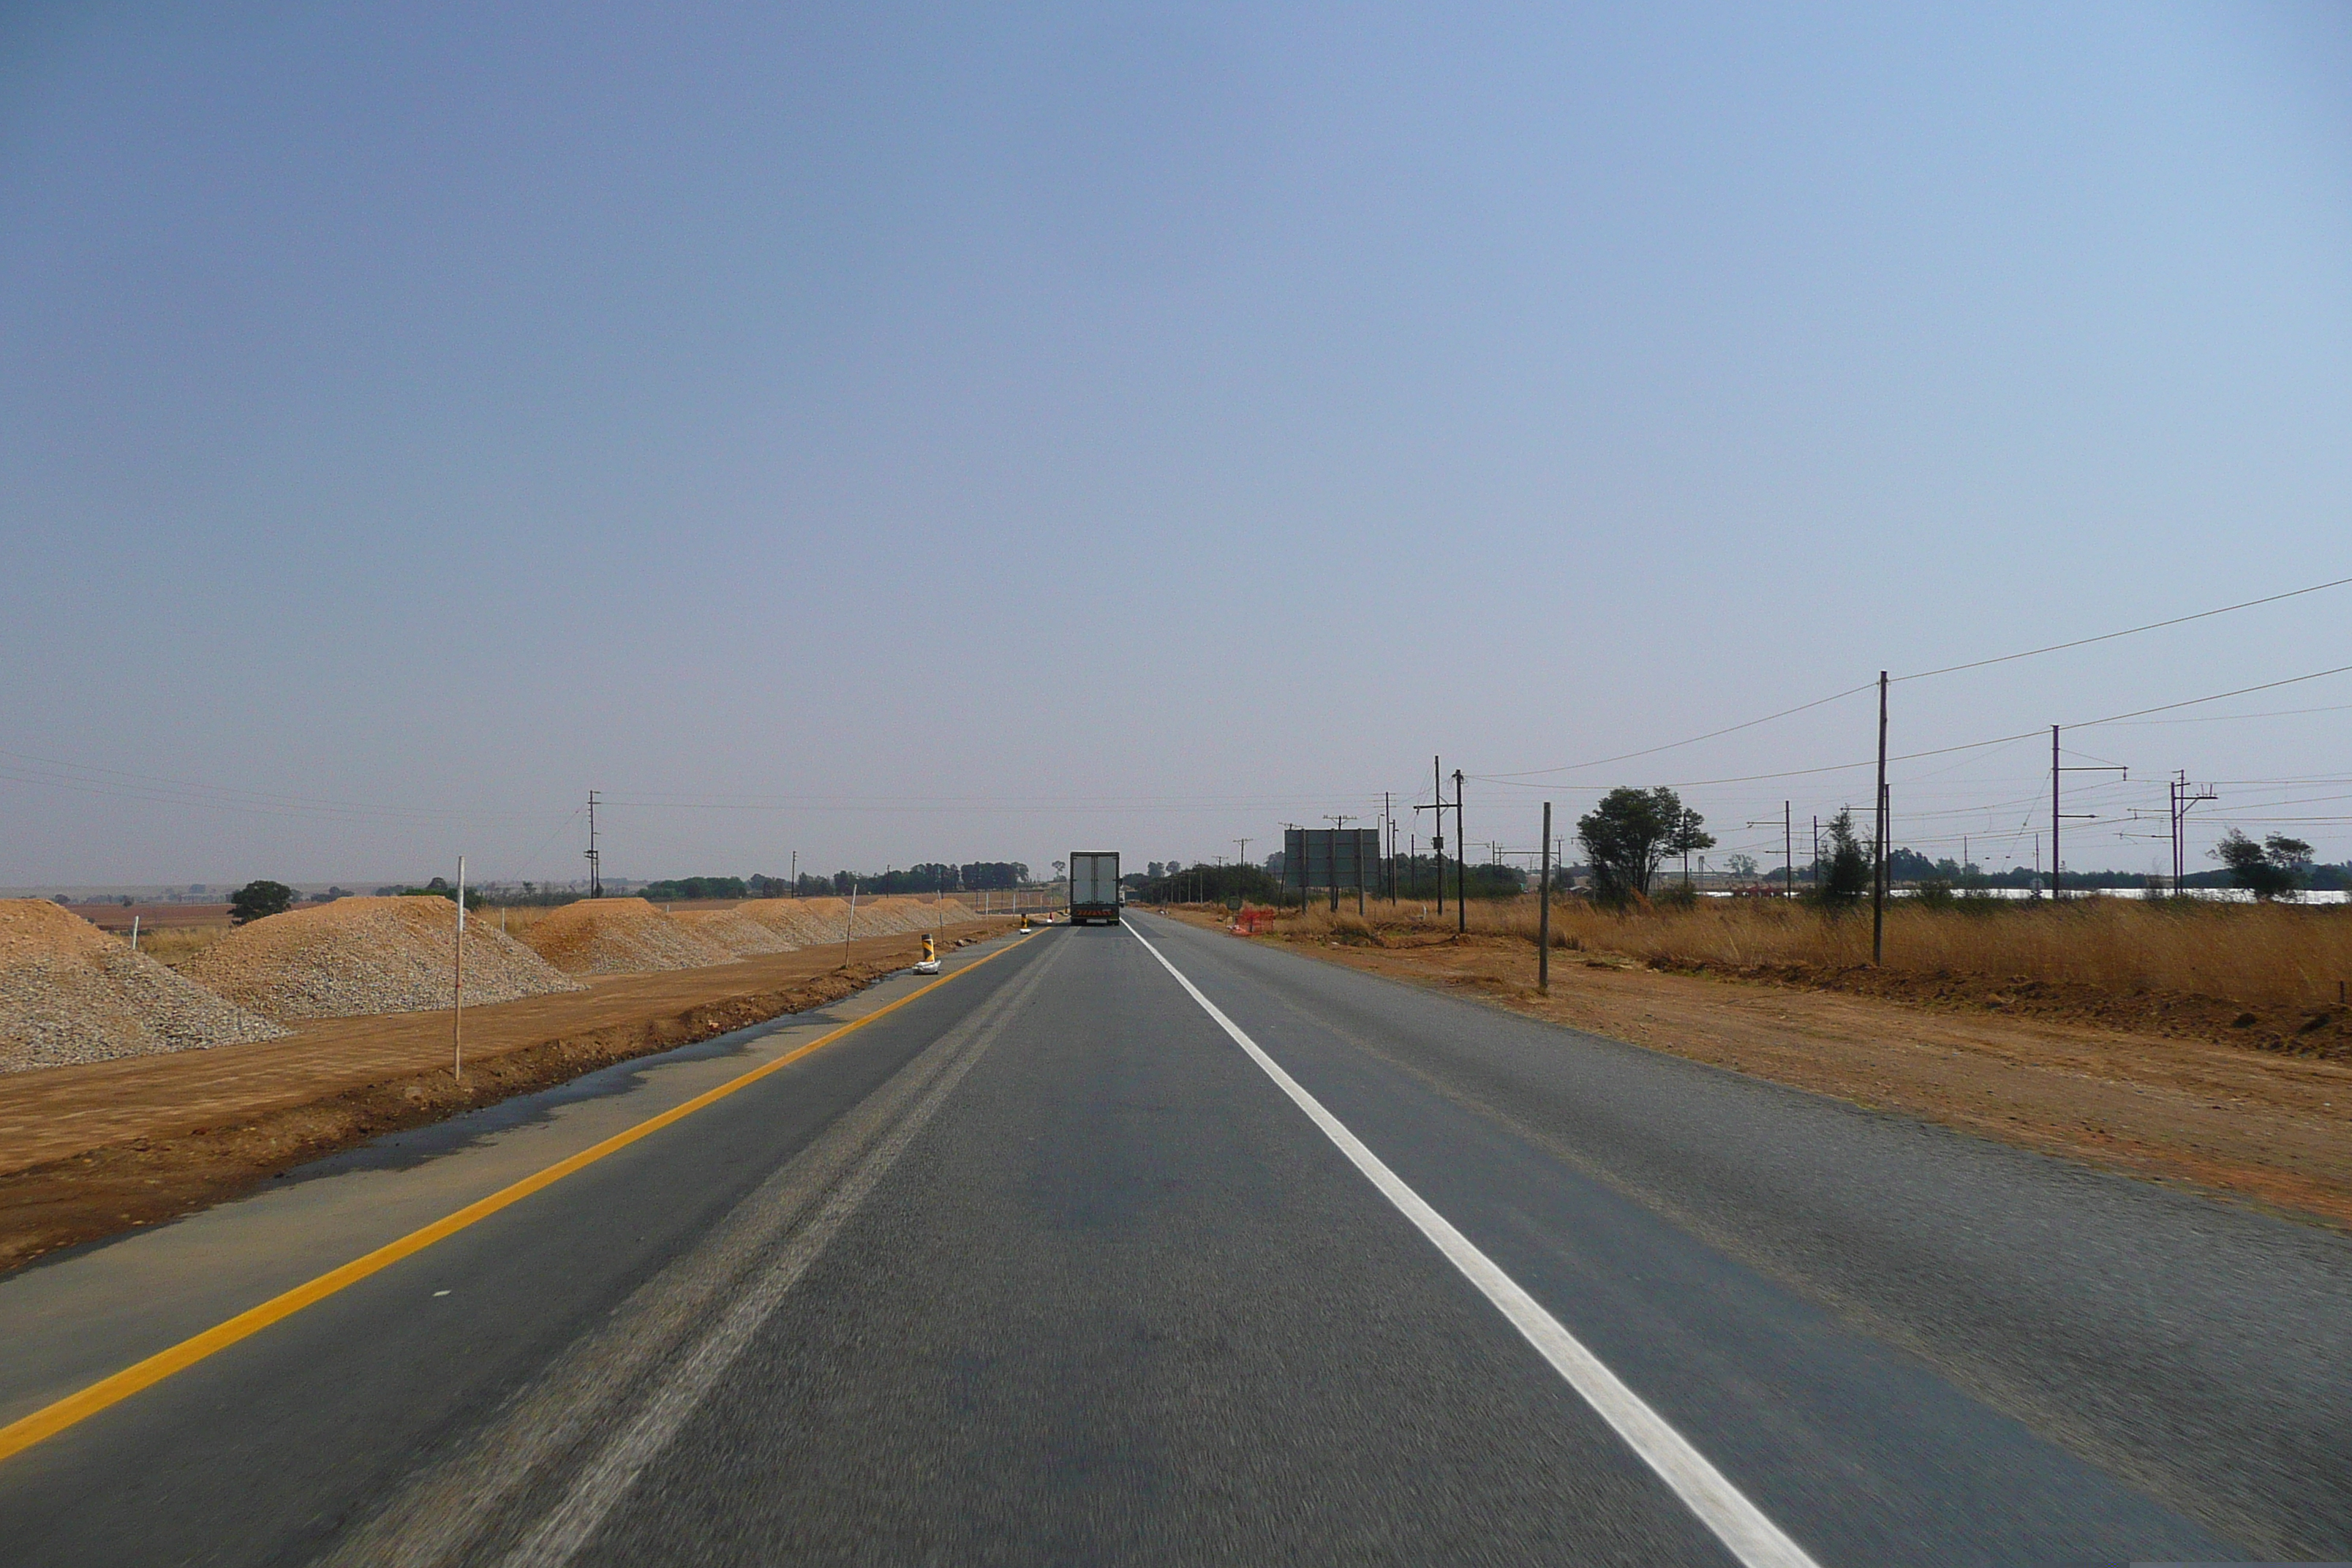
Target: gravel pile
(736, 932)
(791, 921)
(619, 936)
(357, 956)
(898, 914)
(812, 922)
(917, 914)
(827, 920)
(69, 993)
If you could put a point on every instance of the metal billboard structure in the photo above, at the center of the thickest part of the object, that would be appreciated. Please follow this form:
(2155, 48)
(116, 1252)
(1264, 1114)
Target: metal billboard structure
(1333, 858)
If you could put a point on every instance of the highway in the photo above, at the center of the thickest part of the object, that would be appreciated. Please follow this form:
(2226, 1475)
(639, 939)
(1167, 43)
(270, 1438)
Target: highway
(1145, 1244)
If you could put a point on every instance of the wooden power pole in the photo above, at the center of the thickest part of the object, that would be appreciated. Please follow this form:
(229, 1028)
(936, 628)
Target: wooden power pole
(1543, 911)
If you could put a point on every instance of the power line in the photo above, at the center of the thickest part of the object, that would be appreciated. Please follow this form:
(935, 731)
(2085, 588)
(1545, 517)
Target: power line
(2270, 713)
(1972, 745)
(2129, 631)
(161, 789)
(1922, 675)
(2217, 697)
(1673, 746)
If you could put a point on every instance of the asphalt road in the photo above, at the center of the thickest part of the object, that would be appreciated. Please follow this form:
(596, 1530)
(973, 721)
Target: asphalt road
(1050, 1265)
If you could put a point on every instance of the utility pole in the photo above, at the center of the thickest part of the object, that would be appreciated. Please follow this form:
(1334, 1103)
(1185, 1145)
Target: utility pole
(796, 873)
(1788, 852)
(1543, 911)
(1388, 836)
(1437, 840)
(595, 861)
(2183, 800)
(1244, 845)
(1878, 878)
(2171, 811)
(1461, 867)
(2057, 867)
(1817, 852)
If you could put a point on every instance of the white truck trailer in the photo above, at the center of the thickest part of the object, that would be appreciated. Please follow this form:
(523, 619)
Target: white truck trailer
(1094, 887)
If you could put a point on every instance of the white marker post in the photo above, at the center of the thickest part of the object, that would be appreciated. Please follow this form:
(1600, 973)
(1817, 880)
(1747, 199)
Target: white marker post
(134, 933)
(849, 925)
(457, 986)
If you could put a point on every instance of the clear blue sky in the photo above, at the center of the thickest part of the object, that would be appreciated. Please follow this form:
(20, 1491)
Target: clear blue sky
(893, 433)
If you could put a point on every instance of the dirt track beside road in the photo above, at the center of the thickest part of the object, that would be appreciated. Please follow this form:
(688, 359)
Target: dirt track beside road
(89, 1151)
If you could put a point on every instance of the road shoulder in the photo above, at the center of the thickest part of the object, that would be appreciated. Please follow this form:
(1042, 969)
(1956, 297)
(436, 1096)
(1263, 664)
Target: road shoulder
(2269, 1130)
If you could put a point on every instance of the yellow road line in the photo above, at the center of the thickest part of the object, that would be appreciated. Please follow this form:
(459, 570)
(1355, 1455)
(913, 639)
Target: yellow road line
(48, 1422)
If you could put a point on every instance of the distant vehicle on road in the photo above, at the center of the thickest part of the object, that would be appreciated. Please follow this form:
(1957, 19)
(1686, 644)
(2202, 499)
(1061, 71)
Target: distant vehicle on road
(1094, 887)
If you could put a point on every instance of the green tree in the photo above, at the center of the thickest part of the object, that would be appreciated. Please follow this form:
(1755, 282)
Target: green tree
(1688, 838)
(438, 887)
(260, 899)
(2275, 867)
(1626, 835)
(1845, 869)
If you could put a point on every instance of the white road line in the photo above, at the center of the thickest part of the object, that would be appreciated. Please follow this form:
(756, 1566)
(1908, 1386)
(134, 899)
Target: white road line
(1740, 1524)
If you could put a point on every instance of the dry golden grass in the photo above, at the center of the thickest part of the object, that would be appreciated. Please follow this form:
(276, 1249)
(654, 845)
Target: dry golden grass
(2277, 956)
(514, 920)
(173, 946)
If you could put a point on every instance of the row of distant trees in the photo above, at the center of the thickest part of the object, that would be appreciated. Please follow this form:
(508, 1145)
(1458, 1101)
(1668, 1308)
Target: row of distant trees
(1416, 877)
(1632, 832)
(1627, 837)
(931, 876)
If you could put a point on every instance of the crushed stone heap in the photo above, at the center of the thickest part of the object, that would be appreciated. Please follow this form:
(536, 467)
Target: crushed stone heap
(807, 922)
(811, 922)
(358, 956)
(71, 994)
(736, 931)
(619, 936)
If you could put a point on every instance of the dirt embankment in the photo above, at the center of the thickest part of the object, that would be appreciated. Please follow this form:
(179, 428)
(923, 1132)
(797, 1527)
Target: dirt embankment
(85, 1152)
(2261, 1114)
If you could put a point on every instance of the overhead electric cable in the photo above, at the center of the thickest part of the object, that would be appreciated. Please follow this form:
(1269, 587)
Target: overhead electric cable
(2127, 631)
(2217, 697)
(1920, 674)
(1977, 745)
(1673, 746)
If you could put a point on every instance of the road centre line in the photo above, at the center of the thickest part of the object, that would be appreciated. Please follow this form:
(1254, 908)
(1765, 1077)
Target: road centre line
(607, 1477)
(53, 1418)
(1738, 1523)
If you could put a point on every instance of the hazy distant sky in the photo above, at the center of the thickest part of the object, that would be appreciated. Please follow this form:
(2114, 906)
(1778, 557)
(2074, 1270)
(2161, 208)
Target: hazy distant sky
(896, 433)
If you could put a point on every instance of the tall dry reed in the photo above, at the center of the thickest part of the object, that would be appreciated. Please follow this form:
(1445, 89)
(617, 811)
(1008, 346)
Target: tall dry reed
(174, 945)
(517, 918)
(2260, 955)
